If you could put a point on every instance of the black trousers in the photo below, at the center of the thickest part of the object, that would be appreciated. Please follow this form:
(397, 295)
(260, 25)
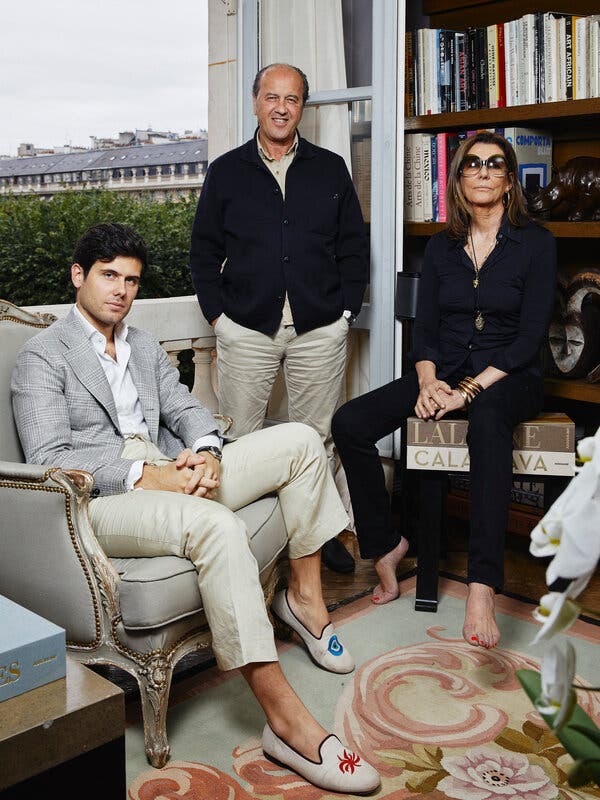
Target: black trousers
(493, 414)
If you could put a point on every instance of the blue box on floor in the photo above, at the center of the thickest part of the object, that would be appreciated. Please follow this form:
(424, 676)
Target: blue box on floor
(32, 650)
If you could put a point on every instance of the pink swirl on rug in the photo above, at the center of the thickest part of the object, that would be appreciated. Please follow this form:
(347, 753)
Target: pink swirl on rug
(267, 779)
(440, 693)
(186, 780)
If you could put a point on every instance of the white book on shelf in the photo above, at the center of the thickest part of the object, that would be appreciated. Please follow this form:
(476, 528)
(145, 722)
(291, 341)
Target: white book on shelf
(550, 58)
(594, 64)
(421, 72)
(433, 103)
(562, 59)
(581, 58)
(512, 58)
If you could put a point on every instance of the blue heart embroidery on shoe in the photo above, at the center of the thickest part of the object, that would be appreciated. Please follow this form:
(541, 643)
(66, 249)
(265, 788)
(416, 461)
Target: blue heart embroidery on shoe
(335, 647)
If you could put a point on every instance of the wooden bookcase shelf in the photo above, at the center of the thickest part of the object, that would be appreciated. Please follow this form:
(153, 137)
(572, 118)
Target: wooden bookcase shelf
(539, 113)
(562, 230)
(572, 389)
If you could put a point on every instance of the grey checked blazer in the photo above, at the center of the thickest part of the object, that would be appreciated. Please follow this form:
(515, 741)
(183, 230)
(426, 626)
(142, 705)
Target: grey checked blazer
(65, 412)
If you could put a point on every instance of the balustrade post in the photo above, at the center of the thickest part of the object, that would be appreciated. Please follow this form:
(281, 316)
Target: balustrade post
(205, 372)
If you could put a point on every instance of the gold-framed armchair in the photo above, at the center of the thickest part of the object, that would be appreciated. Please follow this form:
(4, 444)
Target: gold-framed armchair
(139, 614)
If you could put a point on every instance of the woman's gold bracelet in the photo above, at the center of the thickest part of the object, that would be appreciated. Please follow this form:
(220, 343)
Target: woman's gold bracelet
(469, 388)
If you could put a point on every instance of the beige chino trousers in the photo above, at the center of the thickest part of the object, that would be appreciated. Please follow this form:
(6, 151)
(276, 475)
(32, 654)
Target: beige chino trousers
(288, 459)
(314, 366)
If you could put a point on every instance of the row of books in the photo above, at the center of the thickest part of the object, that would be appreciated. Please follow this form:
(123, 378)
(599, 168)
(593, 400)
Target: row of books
(427, 159)
(541, 57)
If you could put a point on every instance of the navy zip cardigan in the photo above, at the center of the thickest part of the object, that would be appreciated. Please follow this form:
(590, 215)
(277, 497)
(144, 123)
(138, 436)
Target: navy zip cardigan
(313, 244)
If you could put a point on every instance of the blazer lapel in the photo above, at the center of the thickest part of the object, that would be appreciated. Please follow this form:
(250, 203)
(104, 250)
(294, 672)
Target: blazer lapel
(84, 363)
(143, 374)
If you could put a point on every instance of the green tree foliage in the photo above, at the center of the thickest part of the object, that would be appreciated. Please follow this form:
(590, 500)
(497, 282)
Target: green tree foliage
(37, 238)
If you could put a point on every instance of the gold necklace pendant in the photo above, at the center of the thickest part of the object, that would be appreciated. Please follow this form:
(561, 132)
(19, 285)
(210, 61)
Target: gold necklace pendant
(479, 321)
(476, 282)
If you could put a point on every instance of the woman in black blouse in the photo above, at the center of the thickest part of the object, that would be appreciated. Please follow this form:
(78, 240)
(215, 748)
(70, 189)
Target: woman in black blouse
(485, 299)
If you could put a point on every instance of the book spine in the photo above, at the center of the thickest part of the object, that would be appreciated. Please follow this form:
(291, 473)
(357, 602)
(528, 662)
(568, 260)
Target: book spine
(501, 68)
(442, 175)
(434, 177)
(531, 58)
(562, 69)
(569, 57)
(426, 177)
(513, 61)
(472, 69)
(550, 58)
(581, 51)
(456, 459)
(418, 176)
(408, 179)
(421, 89)
(523, 71)
(540, 57)
(482, 74)
(444, 72)
(409, 81)
(492, 56)
(452, 63)
(461, 72)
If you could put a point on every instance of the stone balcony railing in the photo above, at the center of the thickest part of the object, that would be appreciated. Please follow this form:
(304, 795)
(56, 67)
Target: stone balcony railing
(178, 324)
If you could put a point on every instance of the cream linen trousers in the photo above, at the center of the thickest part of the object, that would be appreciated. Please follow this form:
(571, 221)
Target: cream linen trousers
(314, 367)
(288, 459)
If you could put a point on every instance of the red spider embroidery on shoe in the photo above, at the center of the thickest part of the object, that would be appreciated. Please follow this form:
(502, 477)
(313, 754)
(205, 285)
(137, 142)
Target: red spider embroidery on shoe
(349, 762)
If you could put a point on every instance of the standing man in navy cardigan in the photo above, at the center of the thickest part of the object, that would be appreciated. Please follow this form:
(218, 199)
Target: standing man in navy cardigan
(279, 261)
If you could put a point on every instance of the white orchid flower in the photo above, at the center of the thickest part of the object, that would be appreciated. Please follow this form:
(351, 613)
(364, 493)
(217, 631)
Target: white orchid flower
(558, 698)
(579, 548)
(586, 448)
(557, 612)
(546, 536)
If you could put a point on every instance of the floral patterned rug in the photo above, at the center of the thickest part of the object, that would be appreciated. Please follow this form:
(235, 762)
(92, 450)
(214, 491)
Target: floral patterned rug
(436, 716)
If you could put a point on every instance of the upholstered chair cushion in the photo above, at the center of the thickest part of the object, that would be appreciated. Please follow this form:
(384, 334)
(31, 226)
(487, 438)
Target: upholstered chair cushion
(159, 590)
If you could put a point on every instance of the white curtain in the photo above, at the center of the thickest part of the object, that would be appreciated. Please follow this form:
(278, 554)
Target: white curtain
(309, 34)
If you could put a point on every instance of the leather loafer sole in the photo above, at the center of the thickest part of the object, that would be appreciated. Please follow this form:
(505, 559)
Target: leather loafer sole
(338, 768)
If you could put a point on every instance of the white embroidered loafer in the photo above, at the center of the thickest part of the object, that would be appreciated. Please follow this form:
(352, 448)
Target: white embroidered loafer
(337, 770)
(326, 651)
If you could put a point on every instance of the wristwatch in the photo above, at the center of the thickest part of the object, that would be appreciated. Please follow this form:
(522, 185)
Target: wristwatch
(349, 316)
(210, 448)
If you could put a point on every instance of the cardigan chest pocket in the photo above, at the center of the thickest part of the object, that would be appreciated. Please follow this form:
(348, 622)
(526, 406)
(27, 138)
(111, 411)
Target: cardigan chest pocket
(322, 215)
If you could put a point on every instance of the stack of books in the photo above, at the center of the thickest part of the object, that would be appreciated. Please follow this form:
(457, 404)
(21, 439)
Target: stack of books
(542, 447)
(541, 57)
(427, 159)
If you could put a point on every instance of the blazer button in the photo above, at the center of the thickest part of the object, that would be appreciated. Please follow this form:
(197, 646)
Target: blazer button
(286, 259)
(117, 432)
(286, 221)
(95, 492)
(275, 191)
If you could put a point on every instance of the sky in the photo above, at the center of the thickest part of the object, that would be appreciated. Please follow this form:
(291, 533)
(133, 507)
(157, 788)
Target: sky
(70, 69)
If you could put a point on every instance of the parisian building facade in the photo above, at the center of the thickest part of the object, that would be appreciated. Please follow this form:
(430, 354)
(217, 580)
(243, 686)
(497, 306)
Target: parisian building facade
(159, 171)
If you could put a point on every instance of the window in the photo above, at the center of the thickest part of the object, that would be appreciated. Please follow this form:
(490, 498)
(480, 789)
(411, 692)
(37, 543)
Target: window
(140, 172)
(192, 169)
(152, 172)
(165, 169)
(116, 173)
(178, 169)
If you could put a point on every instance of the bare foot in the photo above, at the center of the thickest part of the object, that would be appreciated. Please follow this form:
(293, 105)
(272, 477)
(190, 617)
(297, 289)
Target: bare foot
(480, 627)
(385, 566)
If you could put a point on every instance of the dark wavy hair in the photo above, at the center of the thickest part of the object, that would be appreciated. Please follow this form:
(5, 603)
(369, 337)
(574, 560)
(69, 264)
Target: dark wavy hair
(106, 241)
(458, 207)
(261, 72)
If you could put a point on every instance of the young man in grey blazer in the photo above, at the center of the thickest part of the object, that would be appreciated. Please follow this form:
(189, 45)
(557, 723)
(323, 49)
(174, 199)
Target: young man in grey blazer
(92, 393)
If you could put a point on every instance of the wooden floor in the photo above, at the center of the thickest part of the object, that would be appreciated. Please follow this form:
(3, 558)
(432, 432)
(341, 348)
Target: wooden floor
(525, 576)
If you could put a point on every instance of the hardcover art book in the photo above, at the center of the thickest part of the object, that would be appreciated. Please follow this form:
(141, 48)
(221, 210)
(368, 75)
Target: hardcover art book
(544, 446)
(32, 650)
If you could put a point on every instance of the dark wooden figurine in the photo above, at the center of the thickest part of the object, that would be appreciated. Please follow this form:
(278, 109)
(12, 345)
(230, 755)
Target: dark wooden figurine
(574, 191)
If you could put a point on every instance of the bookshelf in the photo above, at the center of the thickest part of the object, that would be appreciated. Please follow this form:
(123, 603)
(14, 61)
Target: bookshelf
(575, 128)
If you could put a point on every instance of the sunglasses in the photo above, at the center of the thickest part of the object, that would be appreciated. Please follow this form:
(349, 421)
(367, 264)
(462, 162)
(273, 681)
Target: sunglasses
(472, 165)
